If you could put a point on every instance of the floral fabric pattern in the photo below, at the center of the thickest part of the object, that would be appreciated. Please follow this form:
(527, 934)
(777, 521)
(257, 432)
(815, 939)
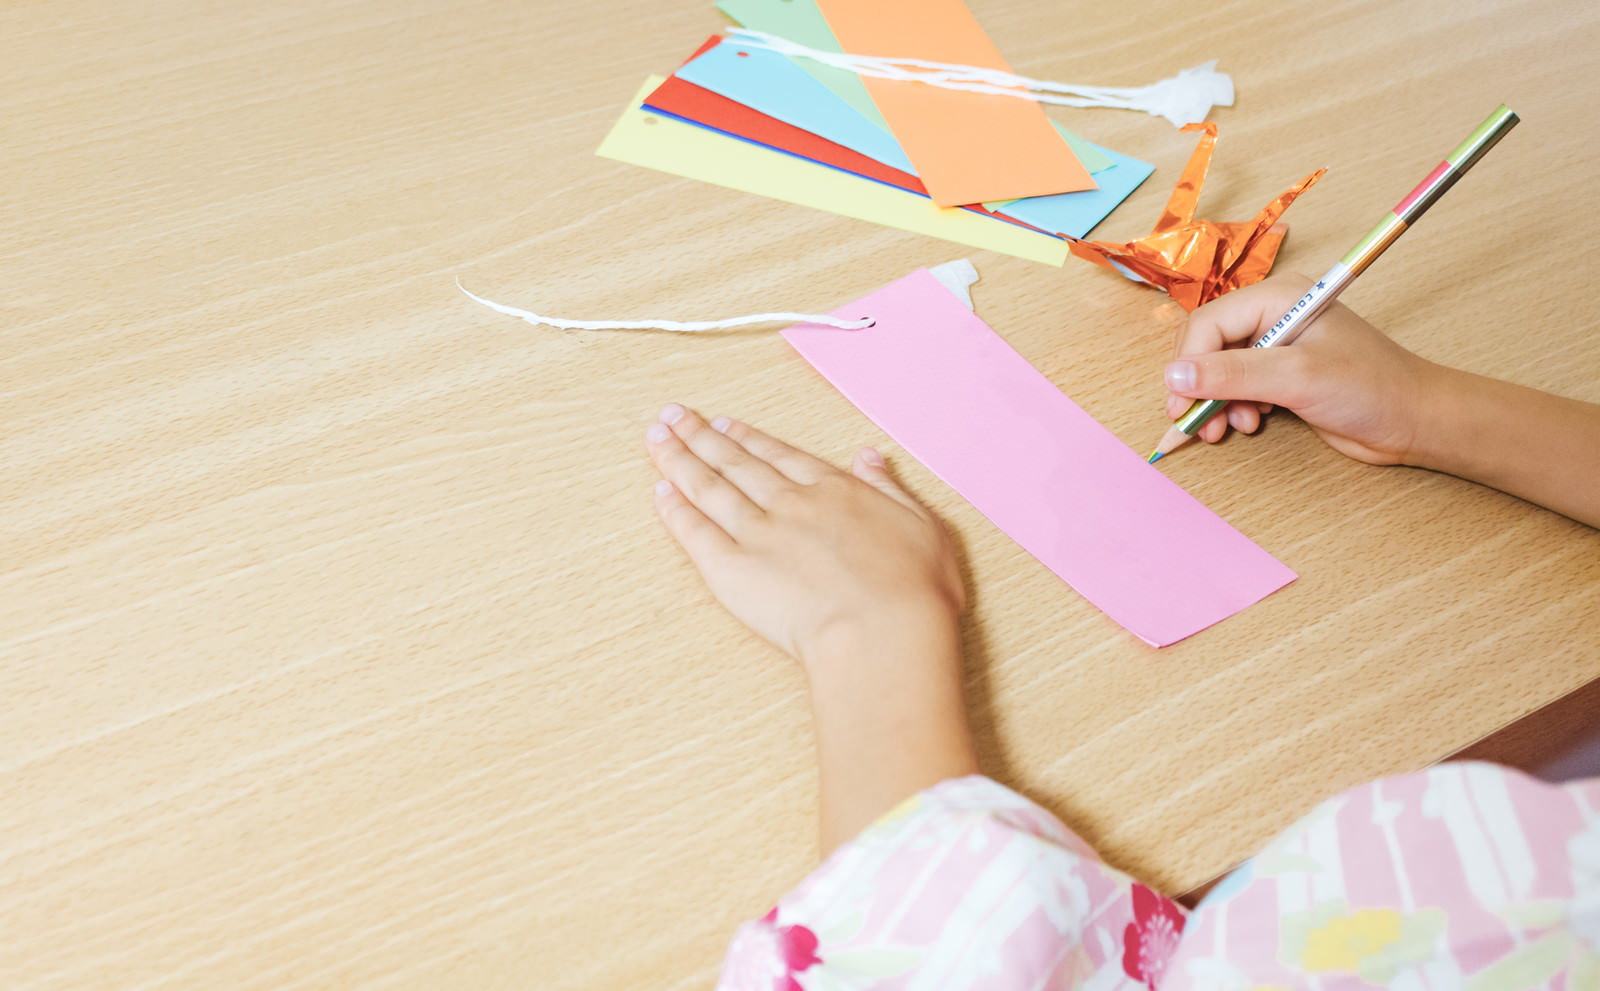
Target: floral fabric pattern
(1150, 939)
(1461, 876)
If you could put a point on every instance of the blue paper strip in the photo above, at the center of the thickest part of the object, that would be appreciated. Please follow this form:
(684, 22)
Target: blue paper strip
(763, 80)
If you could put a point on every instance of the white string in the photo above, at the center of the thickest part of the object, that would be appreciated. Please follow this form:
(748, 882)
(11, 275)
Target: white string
(673, 325)
(1183, 99)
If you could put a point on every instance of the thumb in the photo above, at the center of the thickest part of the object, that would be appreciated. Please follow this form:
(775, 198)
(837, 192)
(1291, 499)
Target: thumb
(869, 467)
(1264, 375)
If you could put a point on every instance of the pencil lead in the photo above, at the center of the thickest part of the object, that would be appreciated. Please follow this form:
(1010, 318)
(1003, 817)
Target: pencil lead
(1156, 456)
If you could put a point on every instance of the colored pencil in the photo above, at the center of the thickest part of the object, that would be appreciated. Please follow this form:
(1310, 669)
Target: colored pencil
(1328, 288)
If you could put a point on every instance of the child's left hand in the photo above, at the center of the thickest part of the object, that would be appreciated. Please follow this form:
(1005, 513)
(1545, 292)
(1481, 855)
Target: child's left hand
(804, 554)
(850, 576)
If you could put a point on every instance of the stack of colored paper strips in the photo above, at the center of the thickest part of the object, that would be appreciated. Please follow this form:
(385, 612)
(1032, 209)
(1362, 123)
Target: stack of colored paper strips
(987, 171)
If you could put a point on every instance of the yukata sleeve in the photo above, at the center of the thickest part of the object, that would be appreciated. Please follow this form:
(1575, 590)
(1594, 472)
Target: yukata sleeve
(964, 885)
(1464, 875)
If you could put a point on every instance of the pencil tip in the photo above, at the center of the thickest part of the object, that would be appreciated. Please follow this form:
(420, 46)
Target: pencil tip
(1156, 456)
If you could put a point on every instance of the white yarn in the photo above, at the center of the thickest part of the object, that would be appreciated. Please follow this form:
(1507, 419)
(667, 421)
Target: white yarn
(1183, 99)
(672, 325)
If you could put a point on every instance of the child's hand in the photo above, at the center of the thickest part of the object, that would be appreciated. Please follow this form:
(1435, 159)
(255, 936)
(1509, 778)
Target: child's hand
(849, 575)
(1360, 391)
(801, 552)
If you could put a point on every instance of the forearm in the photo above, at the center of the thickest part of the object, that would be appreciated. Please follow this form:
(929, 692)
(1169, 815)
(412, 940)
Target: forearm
(889, 717)
(1531, 444)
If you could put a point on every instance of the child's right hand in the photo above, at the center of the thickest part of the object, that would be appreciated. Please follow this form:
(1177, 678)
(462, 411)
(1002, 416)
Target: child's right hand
(1360, 391)
(1370, 398)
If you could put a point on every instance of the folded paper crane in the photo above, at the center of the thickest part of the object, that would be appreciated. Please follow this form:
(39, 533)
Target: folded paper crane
(1196, 261)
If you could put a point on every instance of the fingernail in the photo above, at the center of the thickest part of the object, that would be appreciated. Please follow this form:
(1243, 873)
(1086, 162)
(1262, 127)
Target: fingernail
(671, 413)
(721, 424)
(663, 487)
(657, 433)
(1180, 376)
(871, 456)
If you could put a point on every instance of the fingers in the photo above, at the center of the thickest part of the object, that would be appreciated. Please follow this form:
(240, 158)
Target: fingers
(869, 467)
(1214, 364)
(792, 463)
(713, 495)
(706, 543)
(728, 472)
(751, 475)
(1243, 417)
(1241, 316)
(1270, 376)
(1177, 405)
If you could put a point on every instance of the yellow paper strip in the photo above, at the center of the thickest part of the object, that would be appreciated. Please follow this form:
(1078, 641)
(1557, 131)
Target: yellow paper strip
(693, 152)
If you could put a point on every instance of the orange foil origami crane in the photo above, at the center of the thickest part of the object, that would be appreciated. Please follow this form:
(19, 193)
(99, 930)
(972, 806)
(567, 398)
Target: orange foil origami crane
(1196, 261)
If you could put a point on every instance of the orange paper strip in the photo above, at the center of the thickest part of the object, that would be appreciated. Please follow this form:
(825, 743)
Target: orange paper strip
(967, 147)
(1196, 261)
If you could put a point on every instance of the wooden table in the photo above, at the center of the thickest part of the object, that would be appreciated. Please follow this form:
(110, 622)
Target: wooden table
(339, 646)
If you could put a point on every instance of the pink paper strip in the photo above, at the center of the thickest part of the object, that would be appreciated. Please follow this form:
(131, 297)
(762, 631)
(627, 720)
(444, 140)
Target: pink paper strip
(945, 386)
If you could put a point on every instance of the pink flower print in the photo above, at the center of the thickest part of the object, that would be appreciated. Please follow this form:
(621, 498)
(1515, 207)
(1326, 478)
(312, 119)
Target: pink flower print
(799, 946)
(1149, 940)
(766, 956)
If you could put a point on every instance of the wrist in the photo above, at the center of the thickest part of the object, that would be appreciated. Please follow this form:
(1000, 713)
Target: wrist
(1524, 442)
(1436, 419)
(888, 637)
(888, 712)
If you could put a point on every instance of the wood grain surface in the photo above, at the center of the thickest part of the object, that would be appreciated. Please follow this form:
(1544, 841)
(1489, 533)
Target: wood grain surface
(339, 646)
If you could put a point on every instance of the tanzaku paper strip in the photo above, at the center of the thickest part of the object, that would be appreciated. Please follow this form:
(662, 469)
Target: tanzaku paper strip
(795, 113)
(684, 100)
(780, 87)
(800, 20)
(1076, 214)
(945, 386)
(967, 147)
(667, 145)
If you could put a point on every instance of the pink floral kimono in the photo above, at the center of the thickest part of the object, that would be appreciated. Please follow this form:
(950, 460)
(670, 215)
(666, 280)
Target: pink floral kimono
(1465, 875)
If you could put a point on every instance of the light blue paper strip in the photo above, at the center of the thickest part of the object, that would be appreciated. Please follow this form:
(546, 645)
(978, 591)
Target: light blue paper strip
(766, 81)
(776, 86)
(801, 21)
(779, 87)
(1076, 214)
